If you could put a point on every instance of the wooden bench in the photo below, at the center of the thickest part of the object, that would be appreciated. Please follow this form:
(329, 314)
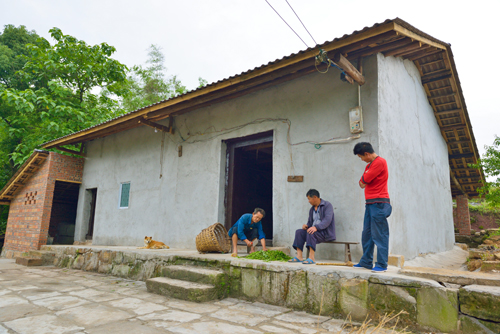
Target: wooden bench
(347, 245)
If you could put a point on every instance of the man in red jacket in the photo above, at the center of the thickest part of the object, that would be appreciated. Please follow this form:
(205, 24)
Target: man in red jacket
(377, 210)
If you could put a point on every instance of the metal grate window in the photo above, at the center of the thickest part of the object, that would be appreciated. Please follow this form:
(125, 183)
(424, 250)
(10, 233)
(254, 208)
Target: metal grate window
(124, 195)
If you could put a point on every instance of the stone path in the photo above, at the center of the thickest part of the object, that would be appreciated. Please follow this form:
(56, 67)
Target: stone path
(52, 300)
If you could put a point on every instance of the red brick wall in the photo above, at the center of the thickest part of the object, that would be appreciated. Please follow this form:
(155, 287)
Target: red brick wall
(30, 209)
(463, 215)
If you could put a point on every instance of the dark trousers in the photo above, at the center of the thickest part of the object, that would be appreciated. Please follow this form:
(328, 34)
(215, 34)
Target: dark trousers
(376, 232)
(302, 237)
(251, 234)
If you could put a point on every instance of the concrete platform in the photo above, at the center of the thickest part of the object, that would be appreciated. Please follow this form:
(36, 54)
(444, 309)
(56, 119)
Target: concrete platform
(429, 304)
(453, 276)
(185, 290)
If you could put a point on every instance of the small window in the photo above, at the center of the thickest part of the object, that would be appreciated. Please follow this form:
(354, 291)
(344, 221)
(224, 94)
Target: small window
(124, 195)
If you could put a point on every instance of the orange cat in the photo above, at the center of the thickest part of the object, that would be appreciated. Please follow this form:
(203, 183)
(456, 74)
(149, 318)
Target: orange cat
(149, 243)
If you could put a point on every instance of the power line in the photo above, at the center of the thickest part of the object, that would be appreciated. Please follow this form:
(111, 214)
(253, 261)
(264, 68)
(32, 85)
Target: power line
(301, 22)
(287, 23)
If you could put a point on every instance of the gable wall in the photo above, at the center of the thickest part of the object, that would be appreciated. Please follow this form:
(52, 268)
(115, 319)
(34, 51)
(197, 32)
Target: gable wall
(417, 157)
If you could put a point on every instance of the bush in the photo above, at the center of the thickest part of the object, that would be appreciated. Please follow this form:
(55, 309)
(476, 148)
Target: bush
(3, 227)
(481, 227)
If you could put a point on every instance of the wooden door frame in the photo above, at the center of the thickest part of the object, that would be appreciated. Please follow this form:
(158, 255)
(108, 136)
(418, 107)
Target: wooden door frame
(231, 145)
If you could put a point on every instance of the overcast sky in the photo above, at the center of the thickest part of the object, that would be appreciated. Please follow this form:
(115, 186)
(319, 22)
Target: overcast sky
(216, 39)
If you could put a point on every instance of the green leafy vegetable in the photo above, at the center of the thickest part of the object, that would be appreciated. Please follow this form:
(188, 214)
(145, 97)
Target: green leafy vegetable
(270, 255)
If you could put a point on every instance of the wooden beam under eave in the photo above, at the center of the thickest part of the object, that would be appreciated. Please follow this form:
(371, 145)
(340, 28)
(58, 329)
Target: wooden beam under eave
(381, 48)
(69, 151)
(349, 68)
(154, 125)
(405, 32)
(457, 184)
(410, 47)
(4, 202)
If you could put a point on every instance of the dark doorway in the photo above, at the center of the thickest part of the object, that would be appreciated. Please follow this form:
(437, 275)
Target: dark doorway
(249, 179)
(63, 214)
(92, 193)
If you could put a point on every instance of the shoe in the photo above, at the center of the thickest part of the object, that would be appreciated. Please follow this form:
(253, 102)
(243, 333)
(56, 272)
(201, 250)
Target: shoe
(379, 269)
(359, 266)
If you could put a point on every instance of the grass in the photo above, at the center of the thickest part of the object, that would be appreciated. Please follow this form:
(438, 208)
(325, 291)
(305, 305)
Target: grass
(367, 327)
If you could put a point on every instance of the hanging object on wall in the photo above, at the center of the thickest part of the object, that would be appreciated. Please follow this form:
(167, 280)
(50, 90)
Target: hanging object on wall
(356, 120)
(296, 178)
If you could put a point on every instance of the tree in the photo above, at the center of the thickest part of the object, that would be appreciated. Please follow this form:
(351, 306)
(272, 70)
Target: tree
(150, 84)
(491, 166)
(58, 99)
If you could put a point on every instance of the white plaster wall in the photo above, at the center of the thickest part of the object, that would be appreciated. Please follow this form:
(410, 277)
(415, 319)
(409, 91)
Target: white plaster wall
(417, 157)
(188, 198)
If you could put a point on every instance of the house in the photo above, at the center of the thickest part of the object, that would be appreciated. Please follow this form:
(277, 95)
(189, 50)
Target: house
(173, 168)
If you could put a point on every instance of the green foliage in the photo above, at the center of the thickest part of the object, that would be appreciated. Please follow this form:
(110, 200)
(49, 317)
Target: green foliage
(481, 227)
(490, 163)
(54, 95)
(3, 226)
(270, 255)
(484, 208)
(149, 84)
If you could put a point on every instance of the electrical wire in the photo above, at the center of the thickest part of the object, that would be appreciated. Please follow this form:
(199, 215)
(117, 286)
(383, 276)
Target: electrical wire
(287, 23)
(301, 22)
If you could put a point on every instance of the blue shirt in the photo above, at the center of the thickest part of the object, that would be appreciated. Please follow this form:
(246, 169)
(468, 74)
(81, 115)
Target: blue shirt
(244, 224)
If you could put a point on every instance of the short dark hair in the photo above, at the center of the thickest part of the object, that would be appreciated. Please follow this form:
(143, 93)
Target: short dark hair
(259, 210)
(362, 148)
(312, 193)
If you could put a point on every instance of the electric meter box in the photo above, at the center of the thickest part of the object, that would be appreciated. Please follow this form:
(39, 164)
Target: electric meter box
(356, 120)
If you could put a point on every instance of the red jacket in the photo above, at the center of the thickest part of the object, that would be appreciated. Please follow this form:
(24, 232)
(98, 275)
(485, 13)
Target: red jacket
(375, 177)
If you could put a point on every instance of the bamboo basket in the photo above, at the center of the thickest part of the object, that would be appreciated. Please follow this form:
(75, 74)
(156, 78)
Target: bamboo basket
(213, 239)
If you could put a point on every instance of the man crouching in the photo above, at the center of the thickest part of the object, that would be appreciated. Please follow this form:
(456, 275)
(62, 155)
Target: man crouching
(247, 228)
(320, 227)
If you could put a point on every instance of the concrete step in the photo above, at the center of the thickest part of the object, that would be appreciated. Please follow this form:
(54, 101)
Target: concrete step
(453, 276)
(184, 290)
(47, 257)
(29, 261)
(194, 274)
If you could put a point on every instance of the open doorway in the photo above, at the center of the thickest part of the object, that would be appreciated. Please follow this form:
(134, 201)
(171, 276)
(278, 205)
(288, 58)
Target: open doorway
(249, 179)
(63, 214)
(91, 195)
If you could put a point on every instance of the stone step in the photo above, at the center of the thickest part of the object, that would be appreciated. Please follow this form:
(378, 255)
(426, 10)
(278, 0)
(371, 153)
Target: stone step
(452, 276)
(29, 261)
(194, 274)
(46, 256)
(184, 290)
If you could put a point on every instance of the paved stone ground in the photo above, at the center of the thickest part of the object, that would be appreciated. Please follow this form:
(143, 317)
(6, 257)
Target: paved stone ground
(52, 300)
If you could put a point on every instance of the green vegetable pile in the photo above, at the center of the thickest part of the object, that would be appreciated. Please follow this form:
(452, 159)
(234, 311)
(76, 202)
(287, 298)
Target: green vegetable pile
(270, 255)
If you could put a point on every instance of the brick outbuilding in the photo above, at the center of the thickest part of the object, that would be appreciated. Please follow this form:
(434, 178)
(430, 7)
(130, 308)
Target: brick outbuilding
(42, 195)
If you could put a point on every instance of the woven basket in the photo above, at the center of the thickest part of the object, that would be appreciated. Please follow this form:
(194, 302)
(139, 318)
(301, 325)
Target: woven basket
(213, 239)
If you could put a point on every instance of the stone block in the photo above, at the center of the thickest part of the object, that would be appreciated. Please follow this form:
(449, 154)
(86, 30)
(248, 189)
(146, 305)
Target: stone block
(106, 256)
(91, 262)
(235, 281)
(463, 246)
(79, 261)
(481, 302)
(437, 308)
(274, 287)
(490, 265)
(477, 326)
(105, 268)
(353, 298)
(195, 292)
(297, 290)
(251, 284)
(28, 261)
(121, 270)
(384, 299)
(396, 260)
(322, 292)
(146, 270)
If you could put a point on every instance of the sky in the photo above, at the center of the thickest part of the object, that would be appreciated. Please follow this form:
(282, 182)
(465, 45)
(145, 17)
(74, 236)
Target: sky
(220, 38)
